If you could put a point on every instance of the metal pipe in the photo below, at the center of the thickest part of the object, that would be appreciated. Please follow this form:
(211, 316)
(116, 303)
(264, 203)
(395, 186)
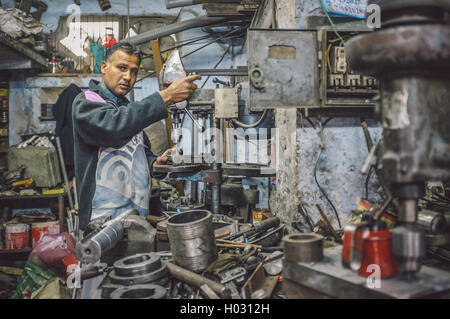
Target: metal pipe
(185, 232)
(431, 221)
(196, 280)
(216, 166)
(170, 4)
(174, 28)
(91, 248)
(219, 72)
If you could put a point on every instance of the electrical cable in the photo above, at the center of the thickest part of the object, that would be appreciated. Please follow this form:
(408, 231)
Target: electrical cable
(257, 123)
(213, 41)
(369, 174)
(317, 182)
(217, 64)
(332, 23)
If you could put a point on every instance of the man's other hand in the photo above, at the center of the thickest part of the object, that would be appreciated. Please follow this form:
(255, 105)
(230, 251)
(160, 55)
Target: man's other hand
(180, 89)
(163, 158)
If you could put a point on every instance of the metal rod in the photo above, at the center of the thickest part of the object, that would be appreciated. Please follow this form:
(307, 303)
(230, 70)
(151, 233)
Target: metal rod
(170, 4)
(200, 127)
(175, 28)
(63, 168)
(220, 72)
(196, 280)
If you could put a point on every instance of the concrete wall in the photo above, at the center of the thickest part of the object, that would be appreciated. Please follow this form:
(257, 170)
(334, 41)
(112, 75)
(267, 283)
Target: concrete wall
(338, 171)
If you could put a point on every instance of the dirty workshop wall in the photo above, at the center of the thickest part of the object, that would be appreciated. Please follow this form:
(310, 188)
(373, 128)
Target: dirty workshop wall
(339, 169)
(345, 151)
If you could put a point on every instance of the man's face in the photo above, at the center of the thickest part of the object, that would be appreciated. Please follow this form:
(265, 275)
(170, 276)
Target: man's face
(119, 75)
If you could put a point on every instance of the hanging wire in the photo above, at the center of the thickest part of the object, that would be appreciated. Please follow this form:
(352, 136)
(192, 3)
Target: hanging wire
(213, 41)
(332, 23)
(322, 147)
(217, 64)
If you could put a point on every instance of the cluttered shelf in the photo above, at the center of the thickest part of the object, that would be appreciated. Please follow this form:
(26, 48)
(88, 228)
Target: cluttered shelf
(19, 197)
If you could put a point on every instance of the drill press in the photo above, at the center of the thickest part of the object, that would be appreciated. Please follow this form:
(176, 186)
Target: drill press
(410, 54)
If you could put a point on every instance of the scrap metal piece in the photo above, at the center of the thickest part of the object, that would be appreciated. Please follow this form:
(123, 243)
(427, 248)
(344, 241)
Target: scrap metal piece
(139, 278)
(208, 292)
(275, 265)
(92, 247)
(140, 292)
(197, 280)
(303, 247)
(232, 274)
(431, 221)
(137, 264)
(259, 294)
(258, 280)
(192, 240)
(233, 289)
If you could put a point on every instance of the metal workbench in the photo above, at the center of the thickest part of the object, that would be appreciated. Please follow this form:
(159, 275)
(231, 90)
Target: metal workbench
(329, 278)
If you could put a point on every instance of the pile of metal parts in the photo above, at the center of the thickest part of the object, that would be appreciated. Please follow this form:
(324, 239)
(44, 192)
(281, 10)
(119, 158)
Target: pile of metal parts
(137, 276)
(408, 55)
(207, 257)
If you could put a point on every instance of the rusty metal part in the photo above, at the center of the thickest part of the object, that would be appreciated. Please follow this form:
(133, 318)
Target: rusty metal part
(197, 280)
(140, 292)
(305, 248)
(137, 264)
(258, 227)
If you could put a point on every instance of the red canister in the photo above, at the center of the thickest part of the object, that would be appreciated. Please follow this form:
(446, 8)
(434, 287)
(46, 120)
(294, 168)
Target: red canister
(17, 236)
(377, 251)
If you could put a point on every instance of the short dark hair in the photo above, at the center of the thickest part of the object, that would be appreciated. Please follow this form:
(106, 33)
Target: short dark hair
(128, 48)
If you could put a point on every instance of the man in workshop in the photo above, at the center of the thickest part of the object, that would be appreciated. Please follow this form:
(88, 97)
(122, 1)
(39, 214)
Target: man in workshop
(113, 161)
